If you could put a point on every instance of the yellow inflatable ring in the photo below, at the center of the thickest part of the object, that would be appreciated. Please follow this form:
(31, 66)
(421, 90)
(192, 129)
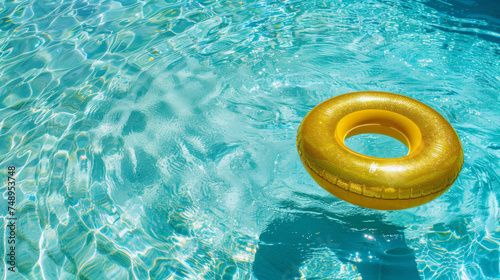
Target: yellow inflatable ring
(434, 159)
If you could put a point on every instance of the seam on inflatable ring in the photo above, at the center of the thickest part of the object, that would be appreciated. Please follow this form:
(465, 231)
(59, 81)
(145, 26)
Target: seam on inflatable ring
(309, 165)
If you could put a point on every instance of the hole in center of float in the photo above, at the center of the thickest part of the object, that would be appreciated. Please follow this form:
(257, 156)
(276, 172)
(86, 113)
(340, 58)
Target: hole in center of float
(376, 145)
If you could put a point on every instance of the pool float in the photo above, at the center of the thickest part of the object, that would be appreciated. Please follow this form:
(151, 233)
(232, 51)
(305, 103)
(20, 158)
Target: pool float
(434, 160)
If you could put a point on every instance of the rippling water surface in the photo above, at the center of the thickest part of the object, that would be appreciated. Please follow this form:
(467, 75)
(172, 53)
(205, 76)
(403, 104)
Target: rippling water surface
(156, 139)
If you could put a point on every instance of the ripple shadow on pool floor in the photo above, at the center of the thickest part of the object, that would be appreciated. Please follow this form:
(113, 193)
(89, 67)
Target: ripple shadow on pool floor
(377, 249)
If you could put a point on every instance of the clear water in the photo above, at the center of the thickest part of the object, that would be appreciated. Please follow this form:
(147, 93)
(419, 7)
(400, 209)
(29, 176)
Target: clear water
(156, 139)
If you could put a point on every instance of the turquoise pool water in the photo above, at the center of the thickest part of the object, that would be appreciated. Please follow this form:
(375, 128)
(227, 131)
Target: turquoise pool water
(156, 139)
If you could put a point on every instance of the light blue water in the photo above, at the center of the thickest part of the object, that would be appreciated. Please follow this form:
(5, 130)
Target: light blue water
(156, 139)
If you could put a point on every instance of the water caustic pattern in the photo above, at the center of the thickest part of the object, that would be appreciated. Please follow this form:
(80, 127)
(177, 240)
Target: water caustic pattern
(156, 139)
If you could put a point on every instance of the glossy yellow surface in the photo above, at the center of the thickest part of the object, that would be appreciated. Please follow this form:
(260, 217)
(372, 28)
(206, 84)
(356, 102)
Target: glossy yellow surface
(434, 160)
